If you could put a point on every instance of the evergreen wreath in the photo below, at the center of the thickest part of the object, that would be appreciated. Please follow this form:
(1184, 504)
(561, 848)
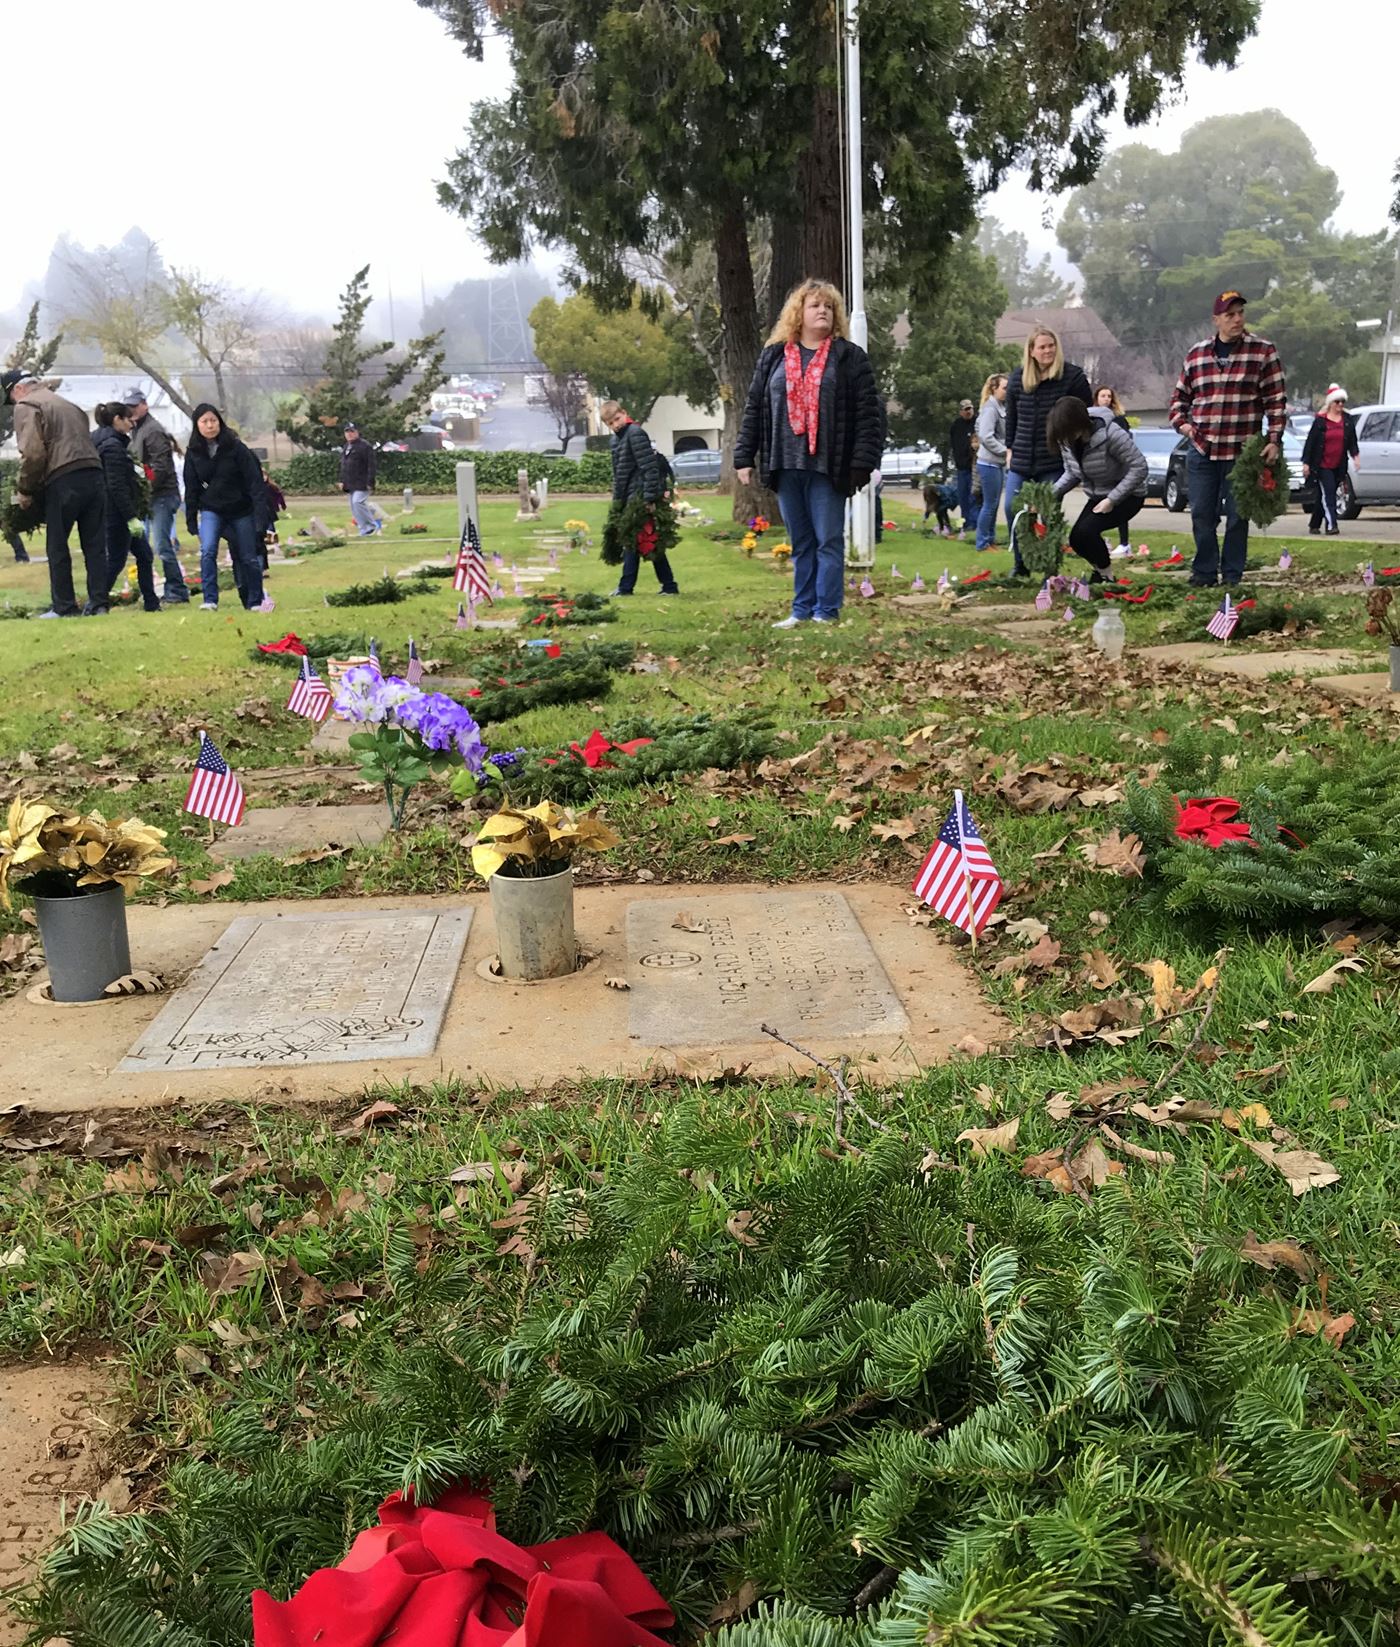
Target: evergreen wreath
(1260, 489)
(676, 747)
(554, 611)
(504, 698)
(16, 522)
(384, 592)
(1041, 534)
(633, 523)
(1323, 840)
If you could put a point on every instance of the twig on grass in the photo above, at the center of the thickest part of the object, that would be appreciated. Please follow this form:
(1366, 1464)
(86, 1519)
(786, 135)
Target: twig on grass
(844, 1096)
(1212, 995)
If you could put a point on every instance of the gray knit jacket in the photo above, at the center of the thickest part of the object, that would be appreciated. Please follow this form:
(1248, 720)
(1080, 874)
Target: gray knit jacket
(1112, 466)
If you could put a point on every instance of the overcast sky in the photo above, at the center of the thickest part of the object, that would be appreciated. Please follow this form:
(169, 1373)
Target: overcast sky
(280, 144)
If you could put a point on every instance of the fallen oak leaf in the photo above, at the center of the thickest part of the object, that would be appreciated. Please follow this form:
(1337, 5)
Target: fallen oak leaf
(1117, 854)
(380, 1110)
(616, 983)
(1255, 1114)
(1030, 930)
(985, 1140)
(1304, 1170)
(220, 877)
(1153, 1157)
(1042, 957)
(1321, 1323)
(136, 983)
(1326, 982)
(1099, 969)
(1270, 1254)
(686, 922)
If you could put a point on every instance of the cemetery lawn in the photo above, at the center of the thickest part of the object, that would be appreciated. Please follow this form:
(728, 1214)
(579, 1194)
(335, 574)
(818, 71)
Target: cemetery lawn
(1154, 1337)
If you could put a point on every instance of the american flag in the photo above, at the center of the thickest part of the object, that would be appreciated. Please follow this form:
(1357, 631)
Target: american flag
(214, 792)
(1044, 600)
(374, 657)
(1224, 620)
(471, 573)
(958, 879)
(463, 621)
(414, 673)
(310, 696)
(1368, 573)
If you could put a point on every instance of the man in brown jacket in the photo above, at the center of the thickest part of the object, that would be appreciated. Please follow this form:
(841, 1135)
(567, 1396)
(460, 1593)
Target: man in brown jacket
(57, 461)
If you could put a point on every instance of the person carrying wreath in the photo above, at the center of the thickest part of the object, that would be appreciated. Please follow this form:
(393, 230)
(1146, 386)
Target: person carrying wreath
(126, 513)
(1108, 463)
(1331, 441)
(1035, 388)
(814, 427)
(636, 474)
(1230, 384)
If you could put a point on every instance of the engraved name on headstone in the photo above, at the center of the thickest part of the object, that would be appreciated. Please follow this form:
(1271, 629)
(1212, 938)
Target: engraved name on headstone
(311, 989)
(799, 961)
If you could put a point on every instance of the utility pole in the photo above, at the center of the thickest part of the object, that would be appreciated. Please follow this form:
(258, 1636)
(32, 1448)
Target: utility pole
(860, 514)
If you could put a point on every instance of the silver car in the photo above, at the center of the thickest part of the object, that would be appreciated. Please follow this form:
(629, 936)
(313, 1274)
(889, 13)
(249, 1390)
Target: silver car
(1156, 445)
(1376, 477)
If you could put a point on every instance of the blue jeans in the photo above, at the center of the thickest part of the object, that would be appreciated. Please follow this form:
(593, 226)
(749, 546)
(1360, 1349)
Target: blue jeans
(964, 485)
(1014, 483)
(1208, 487)
(991, 475)
(632, 558)
(243, 544)
(160, 531)
(814, 513)
(359, 508)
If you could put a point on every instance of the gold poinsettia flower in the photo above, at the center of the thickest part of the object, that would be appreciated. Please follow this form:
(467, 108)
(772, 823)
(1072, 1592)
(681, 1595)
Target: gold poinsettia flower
(87, 846)
(545, 834)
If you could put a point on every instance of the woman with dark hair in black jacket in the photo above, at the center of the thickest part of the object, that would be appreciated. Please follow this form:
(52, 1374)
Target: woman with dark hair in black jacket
(126, 524)
(222, 484)
(1331, 441)
(1043, 378)
(814, 425)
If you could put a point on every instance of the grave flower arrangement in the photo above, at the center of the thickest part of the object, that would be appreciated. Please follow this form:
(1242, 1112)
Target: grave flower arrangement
(580, 537)
(62, 854)
(1381, 616)
(412, 528)
(409, 736)
(781, 551)
(538, 840)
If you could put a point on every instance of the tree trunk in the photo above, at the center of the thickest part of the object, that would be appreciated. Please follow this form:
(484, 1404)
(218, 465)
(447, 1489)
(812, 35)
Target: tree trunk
(821, 189)
(176, 398)
(739, 347)
(786, 267)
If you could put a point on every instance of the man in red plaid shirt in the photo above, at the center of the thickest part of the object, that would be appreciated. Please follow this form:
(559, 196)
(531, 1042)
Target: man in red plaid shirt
(1228, 386)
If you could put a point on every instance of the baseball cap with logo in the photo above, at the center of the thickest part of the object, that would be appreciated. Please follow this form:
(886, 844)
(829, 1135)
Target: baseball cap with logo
(963, 403)
(12, 379)
(1227, 300)
(133, 397)
(352, 428)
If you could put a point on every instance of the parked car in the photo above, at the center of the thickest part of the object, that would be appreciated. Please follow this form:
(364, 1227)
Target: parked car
(1300, 423)
(426, 438)
(1376, 477)
(696, 468)
(1156, 445)
(1174, 488)
(907, 462)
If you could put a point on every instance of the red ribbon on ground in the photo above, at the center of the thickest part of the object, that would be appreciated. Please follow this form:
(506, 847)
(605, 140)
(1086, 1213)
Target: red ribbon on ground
(980, 577)
(442, 1576)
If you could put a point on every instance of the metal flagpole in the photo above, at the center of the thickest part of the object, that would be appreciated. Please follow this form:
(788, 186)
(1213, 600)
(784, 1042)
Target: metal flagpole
(860, 516)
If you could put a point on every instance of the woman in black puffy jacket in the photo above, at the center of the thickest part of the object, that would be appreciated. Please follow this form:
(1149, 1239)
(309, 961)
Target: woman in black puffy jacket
(126, 524)
(222, 483)
(1043, 378)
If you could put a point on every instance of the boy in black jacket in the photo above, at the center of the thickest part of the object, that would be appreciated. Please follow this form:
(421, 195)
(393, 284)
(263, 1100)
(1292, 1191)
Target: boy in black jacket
(636, 473)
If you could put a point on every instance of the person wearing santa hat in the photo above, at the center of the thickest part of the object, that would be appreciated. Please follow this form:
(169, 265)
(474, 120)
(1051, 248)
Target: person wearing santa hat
(1331, 441)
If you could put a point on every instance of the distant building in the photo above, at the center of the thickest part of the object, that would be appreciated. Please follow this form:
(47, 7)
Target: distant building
(91, 389)
(674, 425)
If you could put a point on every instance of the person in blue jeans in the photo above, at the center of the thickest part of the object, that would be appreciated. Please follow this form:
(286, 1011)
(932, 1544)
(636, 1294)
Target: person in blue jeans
(991, 457)
(222, 481)
(814, 428)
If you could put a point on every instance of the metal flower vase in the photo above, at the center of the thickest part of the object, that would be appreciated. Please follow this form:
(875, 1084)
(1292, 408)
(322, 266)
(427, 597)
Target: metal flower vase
(1395, 669)
(534, 917)
(85, 941)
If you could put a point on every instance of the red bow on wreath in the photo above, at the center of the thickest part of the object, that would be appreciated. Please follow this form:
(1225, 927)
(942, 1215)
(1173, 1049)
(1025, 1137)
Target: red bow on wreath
(1268, 480)
(646, 537)
(290, 645)
(1212, 822)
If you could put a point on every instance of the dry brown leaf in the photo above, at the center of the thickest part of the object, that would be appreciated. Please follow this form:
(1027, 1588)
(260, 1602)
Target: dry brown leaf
(380, 1110)
(738, 1226)
(1303, 1170)
(1059, 1106)
(1322, 1323)
(844, 824)
(686, 922)
(136, 983)
(1028, 929)
(1102, 1093)
(1270, 1254)
(315, 855)
(1117, 854)
(191, 1362)
(1165, 996)
(971, 1047)
(986, 1097)
(1326, 982)
(1109, 795)
(1086, 1171)
(1050, 851)
(985, 1140)
(1125, 1146)
(222, 1275)
(132, 1179)
(220, 877)
(1255, 1114)
(898, 829)
(616, 983)
(736, 1605)
(1099, 969)
(1042, 957)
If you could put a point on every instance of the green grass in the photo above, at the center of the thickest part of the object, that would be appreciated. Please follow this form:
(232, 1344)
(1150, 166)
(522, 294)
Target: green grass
(255, 1388)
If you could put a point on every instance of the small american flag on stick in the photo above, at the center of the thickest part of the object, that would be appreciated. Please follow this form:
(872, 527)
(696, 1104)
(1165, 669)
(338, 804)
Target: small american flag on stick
(310, 696)
(471, 576)
(1224, 620)
(214, 792)
(958, 879)
(414, 673)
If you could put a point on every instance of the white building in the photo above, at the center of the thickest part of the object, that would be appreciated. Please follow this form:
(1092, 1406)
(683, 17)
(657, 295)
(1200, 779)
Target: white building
(674, 425)
(90, 390)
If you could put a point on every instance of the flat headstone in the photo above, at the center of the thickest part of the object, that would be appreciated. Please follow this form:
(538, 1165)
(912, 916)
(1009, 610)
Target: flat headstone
(799, 959)
(284, 829)
(312, 989)
(1368, 689)
(1032, 629)
(1260, 665)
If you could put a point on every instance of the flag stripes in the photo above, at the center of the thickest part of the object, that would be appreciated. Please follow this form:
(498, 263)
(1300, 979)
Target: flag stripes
(214, 791)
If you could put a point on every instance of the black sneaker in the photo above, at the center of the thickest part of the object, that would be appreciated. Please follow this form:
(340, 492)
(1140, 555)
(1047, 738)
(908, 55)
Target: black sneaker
(670, 591)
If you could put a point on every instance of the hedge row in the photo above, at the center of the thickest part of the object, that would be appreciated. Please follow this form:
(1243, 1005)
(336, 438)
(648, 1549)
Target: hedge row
(436, 472)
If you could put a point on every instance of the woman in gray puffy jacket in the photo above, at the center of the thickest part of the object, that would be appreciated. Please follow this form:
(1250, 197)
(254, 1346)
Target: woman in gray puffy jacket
(991, 457)
(1108, 463)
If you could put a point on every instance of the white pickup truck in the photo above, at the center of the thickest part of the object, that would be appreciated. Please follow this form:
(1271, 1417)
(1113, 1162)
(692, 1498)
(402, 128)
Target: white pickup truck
(907, 463)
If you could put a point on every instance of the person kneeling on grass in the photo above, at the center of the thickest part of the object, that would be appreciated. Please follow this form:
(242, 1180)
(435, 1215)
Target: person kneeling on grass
(222, 483)
(1107, 462)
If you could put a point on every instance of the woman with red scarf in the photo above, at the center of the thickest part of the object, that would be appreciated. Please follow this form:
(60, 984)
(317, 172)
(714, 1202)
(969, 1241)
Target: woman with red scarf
(814, 426)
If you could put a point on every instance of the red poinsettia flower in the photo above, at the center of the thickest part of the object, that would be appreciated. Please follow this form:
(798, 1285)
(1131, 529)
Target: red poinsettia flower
(1211, 821)
(553, 649)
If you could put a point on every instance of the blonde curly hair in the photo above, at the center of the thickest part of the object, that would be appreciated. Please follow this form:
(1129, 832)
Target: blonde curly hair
(788, 326)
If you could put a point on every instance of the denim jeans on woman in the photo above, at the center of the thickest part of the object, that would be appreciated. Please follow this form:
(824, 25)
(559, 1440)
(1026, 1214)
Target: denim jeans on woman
(243, 546)
(992, 477)
(814, 513)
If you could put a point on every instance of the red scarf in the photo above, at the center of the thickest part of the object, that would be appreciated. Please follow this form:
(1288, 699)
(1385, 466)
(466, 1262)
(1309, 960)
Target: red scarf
(804, 391)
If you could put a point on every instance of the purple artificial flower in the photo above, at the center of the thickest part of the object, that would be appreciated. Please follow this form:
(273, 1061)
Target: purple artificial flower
(507, 758)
